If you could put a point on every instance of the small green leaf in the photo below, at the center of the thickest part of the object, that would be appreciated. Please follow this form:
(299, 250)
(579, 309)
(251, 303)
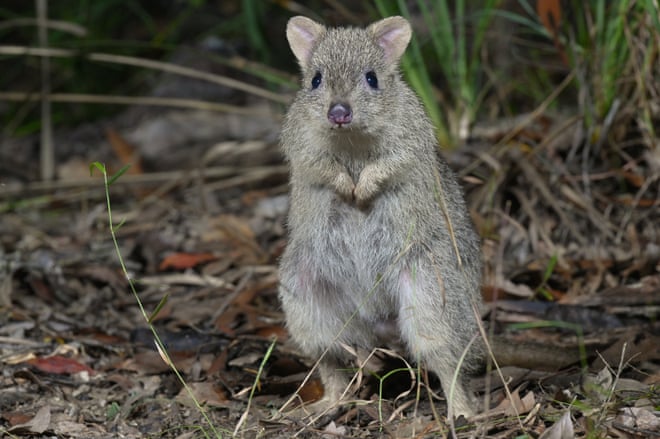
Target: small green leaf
(113, 410)
(118, 174)
(550, 268)
(98, 165)
(543, 291)
(160, 306)
(118, 226)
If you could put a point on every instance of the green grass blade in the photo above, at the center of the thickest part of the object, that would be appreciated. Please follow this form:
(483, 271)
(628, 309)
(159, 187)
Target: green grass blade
(96, 165)
(550, 268)
(118, 174)
(160, 306)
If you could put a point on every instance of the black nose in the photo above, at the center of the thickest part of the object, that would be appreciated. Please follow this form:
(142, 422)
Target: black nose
(340, 114)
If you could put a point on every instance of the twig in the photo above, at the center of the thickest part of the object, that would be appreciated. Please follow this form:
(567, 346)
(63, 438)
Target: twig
(46, 53)
(62, 26)
(47, 157)
(151, 101)
(497, 366)
(503, 145)
(548, 197)
(258, 172)
(184, 279)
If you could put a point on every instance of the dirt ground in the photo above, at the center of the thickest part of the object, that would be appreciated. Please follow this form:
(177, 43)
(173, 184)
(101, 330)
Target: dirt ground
(571, 284)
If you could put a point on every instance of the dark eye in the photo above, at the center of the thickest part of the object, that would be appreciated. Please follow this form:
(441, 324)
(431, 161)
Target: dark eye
(316, 80)
(372, 79)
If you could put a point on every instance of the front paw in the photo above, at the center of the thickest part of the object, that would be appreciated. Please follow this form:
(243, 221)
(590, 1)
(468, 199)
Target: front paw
(365, 191)
(344, 186)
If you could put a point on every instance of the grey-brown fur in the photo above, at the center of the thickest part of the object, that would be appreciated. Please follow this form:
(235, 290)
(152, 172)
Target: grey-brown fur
(369, 241)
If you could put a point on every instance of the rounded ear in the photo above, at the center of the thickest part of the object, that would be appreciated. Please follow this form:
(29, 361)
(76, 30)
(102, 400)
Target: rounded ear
(303, 33)
(393, 35)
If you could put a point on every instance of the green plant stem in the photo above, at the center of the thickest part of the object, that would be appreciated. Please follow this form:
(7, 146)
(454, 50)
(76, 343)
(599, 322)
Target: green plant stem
(255, 385)
(159, 344)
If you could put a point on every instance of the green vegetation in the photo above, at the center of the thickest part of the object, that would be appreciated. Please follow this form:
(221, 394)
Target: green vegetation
(456, 36)
(454, 62)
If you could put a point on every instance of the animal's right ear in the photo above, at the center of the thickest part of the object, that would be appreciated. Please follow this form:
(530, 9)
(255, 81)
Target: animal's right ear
(303, 33)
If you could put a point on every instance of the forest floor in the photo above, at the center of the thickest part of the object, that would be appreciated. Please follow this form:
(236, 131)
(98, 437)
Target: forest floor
(571, 247)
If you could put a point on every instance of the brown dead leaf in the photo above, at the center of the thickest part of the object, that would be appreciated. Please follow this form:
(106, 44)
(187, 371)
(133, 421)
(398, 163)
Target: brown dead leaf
(239, 306)
(71, 429)
(100, 337)
(103, 273)
(40, 287)
(549, 12)
(514, 289)
(515, 405)
(311, 391)
(38, 424)
(206, 392)
(629, 200)
(640, 346)
(633, 178)
(235, 232)
(491, 293)
(124, 381)
(147, 362)
(182, 261)
(249, 359)
(278, 331)
(653, 379)
(126, 152)
(15, 418)
(151, 362)
(639, 419)
(593, 264)
(59, 365)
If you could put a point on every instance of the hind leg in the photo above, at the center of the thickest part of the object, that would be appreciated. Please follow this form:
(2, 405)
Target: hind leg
(437, 324)
(318, 318)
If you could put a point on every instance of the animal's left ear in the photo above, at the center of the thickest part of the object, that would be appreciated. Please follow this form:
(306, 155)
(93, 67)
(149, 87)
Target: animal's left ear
(393, 35)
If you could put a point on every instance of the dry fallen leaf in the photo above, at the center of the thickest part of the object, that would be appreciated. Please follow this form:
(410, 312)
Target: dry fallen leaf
(311, 391)
(73, 429)
(638, 418)
(206, 393)
(181, 261)
(273, 330)
(38, 424)
(60, 365)
(597, 386)
(515, 405)
(333, 431)
(562, 429)
(125, 151)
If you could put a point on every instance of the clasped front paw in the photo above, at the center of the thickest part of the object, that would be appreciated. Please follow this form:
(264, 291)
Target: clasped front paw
(344, 186)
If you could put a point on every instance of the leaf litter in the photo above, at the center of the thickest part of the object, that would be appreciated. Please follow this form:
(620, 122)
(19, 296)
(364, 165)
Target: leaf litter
(572, 286)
